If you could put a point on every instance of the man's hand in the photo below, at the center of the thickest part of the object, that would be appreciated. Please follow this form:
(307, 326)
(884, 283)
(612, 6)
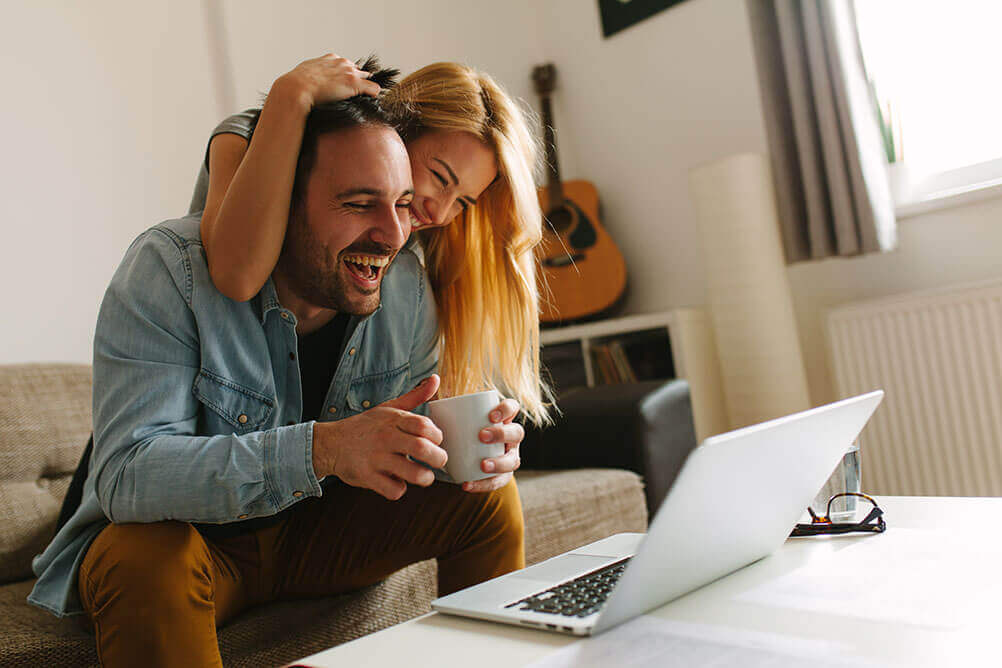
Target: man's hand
(328, 78)
(370, 450)
(512, 434)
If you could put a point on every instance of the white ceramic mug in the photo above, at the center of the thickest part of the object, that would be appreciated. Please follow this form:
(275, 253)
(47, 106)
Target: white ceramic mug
(461, 419)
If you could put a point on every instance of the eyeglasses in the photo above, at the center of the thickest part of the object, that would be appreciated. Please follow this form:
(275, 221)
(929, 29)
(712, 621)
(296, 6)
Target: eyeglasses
(872, 523)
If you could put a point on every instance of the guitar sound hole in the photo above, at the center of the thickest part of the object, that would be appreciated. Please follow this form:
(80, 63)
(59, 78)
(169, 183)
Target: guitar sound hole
(560, 219)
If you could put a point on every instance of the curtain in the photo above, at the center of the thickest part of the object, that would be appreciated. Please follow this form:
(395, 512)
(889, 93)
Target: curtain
(828, 161)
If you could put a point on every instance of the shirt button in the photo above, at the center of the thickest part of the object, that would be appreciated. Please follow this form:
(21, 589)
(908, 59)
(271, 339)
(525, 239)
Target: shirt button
(285, 316)
(297, 494)
(292, 356)
(242, 419)
(242, 517)
(332, 410)
(366, 404)
(351, 352)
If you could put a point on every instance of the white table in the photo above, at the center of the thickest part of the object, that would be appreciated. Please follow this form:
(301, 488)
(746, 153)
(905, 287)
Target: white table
(443, 641)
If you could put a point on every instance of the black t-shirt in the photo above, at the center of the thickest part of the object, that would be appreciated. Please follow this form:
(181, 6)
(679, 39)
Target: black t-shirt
(319, 353)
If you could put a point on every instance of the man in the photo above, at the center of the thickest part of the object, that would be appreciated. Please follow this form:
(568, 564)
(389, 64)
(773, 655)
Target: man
(213, 485)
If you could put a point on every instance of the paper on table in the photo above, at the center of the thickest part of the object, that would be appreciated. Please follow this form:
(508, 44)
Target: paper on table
(926, 578)
(651, 641)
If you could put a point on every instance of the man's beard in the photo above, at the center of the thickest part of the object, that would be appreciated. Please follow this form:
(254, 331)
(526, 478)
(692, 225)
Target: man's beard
(314, 275)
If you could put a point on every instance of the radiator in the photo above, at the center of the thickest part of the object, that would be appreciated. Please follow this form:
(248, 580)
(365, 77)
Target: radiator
(938, 356)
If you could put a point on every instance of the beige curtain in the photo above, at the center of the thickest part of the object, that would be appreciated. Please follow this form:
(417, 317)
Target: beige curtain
(832, 191)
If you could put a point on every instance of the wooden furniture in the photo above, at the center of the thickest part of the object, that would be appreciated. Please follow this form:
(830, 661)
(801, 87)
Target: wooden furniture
(444, 641)
(692, 349)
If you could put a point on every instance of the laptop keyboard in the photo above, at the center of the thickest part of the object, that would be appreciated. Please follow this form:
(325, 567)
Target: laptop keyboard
(580, 597)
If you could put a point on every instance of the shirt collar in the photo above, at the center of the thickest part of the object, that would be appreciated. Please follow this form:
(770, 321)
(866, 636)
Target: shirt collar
(268, 300)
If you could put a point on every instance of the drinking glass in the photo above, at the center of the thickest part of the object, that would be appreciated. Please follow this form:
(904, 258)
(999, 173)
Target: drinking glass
(845, 478)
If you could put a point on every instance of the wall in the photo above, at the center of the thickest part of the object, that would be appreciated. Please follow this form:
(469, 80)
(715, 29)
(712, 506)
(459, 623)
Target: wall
(267, 38)
(106, 105)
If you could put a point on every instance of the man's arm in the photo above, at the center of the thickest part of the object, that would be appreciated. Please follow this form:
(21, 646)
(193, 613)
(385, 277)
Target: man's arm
(149, 464)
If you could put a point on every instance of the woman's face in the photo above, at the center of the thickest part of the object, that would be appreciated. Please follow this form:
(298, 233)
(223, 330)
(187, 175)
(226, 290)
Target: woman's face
(450, 171)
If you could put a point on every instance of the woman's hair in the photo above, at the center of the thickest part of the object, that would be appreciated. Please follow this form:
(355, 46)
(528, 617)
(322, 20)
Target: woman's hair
(483, 266)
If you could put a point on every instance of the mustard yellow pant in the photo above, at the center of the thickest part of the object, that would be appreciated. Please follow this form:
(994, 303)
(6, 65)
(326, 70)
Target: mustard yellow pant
(155, 593)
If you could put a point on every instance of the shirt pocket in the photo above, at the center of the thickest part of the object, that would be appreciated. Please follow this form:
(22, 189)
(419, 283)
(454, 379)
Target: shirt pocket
(374, 389)
(241, 409)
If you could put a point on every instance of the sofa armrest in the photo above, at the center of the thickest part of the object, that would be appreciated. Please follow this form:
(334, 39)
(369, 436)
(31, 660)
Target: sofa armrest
(644, 427)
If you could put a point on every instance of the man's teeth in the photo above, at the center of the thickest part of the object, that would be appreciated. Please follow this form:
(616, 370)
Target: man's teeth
(369, 260)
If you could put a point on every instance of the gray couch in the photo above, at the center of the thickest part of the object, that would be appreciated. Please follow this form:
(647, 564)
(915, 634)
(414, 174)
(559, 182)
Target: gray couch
(44, 424)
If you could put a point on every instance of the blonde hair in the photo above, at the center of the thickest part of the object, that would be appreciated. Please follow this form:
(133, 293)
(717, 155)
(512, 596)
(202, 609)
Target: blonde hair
(482, 267)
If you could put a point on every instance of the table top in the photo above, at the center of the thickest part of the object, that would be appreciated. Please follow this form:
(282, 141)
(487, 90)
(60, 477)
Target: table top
(444, 640)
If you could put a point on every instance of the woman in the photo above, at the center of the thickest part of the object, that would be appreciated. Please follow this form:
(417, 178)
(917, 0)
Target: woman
(475, 211)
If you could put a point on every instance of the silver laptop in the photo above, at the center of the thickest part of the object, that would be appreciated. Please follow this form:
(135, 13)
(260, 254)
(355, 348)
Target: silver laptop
(764, 476)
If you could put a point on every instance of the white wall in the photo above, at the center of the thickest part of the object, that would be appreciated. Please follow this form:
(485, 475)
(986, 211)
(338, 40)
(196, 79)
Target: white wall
(105, 108)
(268, 38)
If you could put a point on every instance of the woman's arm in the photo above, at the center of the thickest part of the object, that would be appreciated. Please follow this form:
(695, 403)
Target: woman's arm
(250, 185)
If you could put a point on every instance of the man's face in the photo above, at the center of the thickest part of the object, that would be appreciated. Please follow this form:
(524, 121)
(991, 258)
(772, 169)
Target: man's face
(351, 221)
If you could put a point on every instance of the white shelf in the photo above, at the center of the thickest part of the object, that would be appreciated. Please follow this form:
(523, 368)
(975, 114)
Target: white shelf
(692, 348)
(611, 327)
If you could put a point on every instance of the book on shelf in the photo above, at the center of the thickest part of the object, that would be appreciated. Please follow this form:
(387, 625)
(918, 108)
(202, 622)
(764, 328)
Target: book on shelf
(600, 364)
(623, 367)
(612, 364)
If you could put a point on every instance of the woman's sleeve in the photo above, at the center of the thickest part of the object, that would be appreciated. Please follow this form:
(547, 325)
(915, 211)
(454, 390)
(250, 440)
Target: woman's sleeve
(241, 124)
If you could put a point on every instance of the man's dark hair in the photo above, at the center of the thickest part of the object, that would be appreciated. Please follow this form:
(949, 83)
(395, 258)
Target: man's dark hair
(357, 111)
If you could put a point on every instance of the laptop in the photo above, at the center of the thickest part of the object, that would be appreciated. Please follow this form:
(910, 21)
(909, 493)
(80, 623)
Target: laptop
(734, 501)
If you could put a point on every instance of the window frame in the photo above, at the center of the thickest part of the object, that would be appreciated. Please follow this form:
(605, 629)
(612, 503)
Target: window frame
(915, 194)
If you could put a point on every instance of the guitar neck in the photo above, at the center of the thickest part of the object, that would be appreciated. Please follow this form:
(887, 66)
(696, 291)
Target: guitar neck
(554, 189)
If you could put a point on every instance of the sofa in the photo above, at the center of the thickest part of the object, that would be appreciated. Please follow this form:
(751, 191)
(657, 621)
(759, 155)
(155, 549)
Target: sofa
(45, 419)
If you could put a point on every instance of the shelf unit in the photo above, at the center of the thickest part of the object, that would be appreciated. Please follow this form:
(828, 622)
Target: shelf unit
(692, 348)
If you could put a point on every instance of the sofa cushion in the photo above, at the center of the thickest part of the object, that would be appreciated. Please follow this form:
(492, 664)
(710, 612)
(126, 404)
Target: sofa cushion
(45, 419)
(567, 509)
(563, 509)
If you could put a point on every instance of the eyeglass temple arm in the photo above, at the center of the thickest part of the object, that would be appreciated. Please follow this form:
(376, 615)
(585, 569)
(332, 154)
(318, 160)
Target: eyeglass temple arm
(874, 513)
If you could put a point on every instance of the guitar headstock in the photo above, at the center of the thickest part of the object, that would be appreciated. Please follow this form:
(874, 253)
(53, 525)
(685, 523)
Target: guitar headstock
(544, 78)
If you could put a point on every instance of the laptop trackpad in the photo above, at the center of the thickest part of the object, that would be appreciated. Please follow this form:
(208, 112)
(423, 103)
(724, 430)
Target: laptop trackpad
(562, 567)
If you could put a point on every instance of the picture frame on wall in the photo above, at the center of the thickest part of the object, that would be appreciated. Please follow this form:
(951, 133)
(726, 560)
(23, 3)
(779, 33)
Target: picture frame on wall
(620, 14)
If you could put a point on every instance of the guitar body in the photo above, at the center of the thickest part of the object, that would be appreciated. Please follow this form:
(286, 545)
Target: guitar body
(583, 273)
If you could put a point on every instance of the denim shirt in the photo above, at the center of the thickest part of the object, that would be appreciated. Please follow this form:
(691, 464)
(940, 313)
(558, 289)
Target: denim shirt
(198, 402)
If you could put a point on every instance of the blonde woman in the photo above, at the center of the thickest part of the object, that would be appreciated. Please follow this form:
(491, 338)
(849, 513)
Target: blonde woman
(474, 211)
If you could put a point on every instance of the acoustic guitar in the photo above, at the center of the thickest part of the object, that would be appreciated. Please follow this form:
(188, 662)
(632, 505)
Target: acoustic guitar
(583, 273)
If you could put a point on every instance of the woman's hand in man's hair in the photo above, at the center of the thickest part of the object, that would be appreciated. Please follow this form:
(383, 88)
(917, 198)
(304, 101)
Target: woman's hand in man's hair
(328, 78)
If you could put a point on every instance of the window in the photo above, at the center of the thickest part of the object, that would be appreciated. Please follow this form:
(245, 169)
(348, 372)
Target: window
(934, 67)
